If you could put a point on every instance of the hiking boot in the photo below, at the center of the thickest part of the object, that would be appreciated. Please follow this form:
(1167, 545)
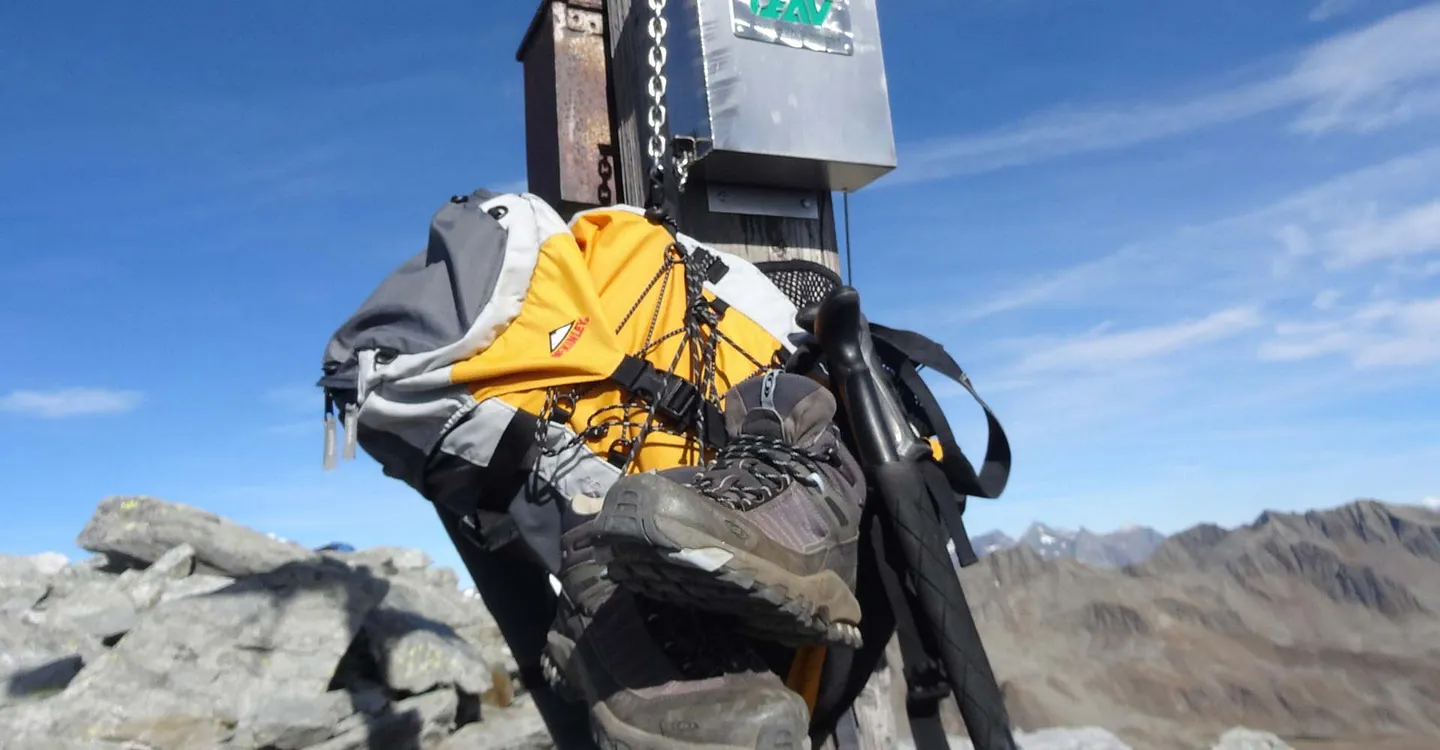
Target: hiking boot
(768, 533)
(654, 682)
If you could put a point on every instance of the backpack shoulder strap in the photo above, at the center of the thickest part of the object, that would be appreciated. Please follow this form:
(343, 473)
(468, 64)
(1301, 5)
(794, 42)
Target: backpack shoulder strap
(907, 351)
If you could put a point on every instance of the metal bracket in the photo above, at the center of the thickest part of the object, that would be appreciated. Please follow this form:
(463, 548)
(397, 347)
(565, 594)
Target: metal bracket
(758, 201)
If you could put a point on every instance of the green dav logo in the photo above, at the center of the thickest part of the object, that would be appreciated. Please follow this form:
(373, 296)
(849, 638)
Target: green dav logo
(807, 12)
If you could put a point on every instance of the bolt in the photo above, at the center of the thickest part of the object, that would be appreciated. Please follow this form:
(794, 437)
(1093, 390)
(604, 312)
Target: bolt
(722, 196)
(808, 202)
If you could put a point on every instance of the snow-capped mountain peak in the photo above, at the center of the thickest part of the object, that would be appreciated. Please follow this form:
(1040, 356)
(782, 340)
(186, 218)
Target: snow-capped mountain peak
(1130, 544)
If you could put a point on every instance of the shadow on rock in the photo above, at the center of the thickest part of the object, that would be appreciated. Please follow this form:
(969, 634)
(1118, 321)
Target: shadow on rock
(237, 640)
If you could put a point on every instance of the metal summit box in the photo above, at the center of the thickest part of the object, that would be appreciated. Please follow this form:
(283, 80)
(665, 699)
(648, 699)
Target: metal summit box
(784, 93)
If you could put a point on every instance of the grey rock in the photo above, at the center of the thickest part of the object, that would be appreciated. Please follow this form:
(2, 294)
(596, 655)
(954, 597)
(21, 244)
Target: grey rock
(17, 742)
(416, 654)
(21, 596)
(25, 581)
(96, 607)
(293, 723)
(20, 568)
(145, 588)
(517, 727)
(176, 678)
(418, 723)
(387, 560)
(199, 584)
(442, 578)
(37, 660)
(1082, 738)
(1241, 738)
(412, 594)
(422, 638)
(111, 564)
(145, 528)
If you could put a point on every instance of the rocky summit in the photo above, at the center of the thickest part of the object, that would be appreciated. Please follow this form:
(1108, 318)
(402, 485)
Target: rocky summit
(186, 630)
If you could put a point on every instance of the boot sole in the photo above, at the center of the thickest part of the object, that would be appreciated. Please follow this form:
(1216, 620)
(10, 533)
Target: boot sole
(661, 558)
(557, 651)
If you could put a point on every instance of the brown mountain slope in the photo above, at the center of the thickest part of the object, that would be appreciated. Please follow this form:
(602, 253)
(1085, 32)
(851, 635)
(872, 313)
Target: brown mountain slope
(1317, 625)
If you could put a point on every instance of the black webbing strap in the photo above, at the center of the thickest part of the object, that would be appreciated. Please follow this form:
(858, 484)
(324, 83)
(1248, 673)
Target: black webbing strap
(672, 398)
(905, 350)
(889, 610)
(925, 682)
(711, 266)
(465, 488)
(951, 507)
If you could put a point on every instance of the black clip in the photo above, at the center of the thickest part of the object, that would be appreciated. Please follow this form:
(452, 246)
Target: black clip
(926, 683)
(673, 398)
(488, 530)
(619, 453)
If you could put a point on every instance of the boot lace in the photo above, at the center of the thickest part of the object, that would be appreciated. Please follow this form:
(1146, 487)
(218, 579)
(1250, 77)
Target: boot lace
(753, 469)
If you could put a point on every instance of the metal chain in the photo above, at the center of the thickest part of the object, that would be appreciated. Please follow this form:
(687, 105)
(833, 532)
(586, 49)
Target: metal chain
(658, 83)
(682, 169)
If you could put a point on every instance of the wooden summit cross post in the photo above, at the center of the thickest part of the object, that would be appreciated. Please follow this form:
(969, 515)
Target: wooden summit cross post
(783, 101)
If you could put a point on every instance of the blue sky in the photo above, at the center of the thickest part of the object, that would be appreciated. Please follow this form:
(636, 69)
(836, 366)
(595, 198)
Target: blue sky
(1190, 252)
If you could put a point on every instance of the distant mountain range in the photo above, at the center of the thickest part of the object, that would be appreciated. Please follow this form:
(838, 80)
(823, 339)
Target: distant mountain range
(1128, 546)
(1323, 627)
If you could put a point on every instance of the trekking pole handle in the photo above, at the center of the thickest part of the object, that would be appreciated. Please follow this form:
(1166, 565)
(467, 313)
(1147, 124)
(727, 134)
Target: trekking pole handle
(883, 434)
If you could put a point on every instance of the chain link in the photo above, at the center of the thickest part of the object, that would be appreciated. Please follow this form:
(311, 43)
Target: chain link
(682, 168)
(658, 84)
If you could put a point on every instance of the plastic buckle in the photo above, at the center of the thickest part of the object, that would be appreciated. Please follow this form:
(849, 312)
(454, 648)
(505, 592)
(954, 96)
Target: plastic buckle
(679, 401)
(670, 396)
(490, 531)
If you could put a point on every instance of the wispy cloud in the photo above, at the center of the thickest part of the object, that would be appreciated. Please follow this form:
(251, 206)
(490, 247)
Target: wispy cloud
(1384, 334)
(69, 402)
(1414, 231)
(1231, 336)
(1315, 240)
(1328, 9)
(1433, 503)
(1326, 299)
(1100, 350)
(1377, 76)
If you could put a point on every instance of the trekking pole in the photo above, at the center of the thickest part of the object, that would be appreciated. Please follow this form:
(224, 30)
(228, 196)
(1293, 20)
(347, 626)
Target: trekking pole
(888, 449)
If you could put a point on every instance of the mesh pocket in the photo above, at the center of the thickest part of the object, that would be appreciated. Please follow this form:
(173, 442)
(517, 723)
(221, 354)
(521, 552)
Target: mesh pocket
(804, 282)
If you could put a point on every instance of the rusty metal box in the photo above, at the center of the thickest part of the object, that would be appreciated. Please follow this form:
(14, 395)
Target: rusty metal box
(569, 157)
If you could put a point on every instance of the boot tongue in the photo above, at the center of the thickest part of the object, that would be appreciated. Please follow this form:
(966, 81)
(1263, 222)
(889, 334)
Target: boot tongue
(780, 405)
(764, 423)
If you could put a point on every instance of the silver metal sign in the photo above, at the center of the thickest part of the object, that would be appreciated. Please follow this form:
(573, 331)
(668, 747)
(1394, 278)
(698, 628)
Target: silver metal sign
(817, 25)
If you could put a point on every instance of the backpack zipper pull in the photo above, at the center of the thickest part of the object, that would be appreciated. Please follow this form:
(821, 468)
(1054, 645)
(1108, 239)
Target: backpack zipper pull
(329, 430)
